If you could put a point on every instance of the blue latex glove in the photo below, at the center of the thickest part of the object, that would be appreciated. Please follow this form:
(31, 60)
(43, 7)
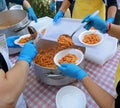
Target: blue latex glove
(58, 16)
(95, 22)
(72, 70)
(110, 20)
(31, 14)
(28, 52)
(10, 41)
(52, 6)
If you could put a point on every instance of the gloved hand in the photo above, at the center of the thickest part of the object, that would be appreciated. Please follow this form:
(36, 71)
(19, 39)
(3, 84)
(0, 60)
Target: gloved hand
(72, 70)
(52, 6)
(28, 52)
(95, 22)
(58, 16)
(31, 14)
(10, 41)
(110, 20)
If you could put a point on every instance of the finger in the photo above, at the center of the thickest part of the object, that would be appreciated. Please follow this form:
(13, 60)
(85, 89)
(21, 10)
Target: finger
(64, 65)
(87, 26)
(61, 68)
(86, 19)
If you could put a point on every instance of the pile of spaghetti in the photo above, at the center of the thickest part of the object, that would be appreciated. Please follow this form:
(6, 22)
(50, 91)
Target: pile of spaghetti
(65, 41)
(91, 38)
(45, 57)
(69, 58)
(25, 39)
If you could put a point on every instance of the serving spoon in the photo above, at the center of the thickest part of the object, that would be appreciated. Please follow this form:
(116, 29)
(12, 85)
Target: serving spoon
(32, 32)
(81, 26)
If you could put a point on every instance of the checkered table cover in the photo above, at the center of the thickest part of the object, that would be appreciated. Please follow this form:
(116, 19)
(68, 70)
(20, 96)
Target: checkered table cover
(40, 95)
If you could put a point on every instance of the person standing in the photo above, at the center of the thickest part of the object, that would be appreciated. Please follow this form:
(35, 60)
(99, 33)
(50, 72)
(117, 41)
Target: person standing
(101, 97)
(12, 79)
(85, 7)
(4, 5)
(58, 5)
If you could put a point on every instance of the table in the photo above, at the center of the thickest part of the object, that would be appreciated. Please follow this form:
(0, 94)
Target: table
(40, 95)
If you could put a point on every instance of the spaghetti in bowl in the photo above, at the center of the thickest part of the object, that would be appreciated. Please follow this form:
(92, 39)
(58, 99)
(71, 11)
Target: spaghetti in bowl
(70, 55)
(23, 40)
(91, 38)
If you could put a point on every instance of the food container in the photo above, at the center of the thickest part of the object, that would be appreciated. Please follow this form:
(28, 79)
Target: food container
(12, 23)
(50, 76)
(91, 38)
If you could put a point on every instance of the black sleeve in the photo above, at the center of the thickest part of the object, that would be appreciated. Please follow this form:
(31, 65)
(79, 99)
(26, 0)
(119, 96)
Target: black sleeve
(117, 100)
(70, 1)
(111, 3)
(17, 1)
(3, 64)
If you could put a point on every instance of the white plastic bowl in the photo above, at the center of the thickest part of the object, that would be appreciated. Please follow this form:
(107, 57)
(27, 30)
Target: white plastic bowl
(17, 40)
(16, 7)
(81, 37)
(70, 97)
(61, 54)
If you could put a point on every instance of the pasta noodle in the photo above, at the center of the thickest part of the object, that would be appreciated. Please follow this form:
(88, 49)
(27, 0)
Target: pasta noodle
(69, 58)
(65, 41)
(45, 57)
(91, 38)
(25, 39)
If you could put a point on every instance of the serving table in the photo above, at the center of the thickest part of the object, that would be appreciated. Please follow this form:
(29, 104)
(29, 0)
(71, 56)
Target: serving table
(40, 95)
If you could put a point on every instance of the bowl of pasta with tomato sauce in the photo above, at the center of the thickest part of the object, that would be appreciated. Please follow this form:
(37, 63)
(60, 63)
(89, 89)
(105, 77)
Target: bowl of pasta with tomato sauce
(70, 55)
(23, 40)
(91, 38)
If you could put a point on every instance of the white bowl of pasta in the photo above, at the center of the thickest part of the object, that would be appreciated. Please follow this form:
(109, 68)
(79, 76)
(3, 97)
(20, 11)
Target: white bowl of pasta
(91, 38)
(23, 40)
(70, 55)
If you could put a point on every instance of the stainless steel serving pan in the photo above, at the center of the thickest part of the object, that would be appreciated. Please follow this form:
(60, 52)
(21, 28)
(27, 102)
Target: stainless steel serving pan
(50, 76)
(14, 22)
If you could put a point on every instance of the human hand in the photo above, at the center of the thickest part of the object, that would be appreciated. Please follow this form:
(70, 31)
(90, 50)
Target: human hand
(110, 20)
(58, 16)
(31, 14)
(10, 41)
(72, 70)
(52, 6)
(28, 52)
(95, 22)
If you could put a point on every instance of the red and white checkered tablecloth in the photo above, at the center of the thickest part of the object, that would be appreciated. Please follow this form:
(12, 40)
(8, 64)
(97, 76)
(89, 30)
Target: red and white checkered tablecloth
(39, 95)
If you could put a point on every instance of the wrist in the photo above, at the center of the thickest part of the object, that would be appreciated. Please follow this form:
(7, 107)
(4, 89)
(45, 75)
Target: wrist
(60, 11)
(82, 74)
(28, 60)
(108, 27)
(30, 8)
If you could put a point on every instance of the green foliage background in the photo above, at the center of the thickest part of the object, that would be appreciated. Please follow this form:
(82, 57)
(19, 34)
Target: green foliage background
(42, 8)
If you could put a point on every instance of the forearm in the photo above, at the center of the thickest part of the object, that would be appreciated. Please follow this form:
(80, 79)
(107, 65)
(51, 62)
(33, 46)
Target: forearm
(114, 31)
(65, 5)
(26, 4)
(102, 98)
(112, 11)
(12, 83)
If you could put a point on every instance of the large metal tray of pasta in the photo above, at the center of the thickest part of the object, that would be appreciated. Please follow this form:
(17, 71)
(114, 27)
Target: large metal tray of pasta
(44, 66)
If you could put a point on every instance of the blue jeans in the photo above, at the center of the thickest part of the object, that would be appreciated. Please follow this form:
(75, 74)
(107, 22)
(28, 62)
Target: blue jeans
(59, 3)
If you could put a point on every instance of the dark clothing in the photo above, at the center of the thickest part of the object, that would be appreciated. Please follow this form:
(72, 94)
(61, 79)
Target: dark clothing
(3, 64)
(109, 2)
(59, 3)
(117, 100)
(20, 2)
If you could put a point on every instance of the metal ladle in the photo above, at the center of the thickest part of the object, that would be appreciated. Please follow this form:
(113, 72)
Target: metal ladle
(33, 32)
(82, 25)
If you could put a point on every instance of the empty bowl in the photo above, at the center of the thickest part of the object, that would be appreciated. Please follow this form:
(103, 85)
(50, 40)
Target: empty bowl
(70, 97)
